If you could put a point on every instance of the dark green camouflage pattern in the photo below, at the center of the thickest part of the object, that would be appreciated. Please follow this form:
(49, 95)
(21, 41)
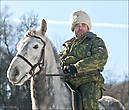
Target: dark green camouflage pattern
(75, 52)
(90, 95)
(78, 81)
(90, 88)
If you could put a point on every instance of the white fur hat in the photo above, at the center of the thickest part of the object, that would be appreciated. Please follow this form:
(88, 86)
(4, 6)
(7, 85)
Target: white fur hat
(79, 17)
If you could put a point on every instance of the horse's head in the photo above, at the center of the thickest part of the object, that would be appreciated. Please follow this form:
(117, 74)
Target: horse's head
(29, 57)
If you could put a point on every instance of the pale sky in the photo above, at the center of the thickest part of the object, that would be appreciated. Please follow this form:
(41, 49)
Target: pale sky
(109, 21)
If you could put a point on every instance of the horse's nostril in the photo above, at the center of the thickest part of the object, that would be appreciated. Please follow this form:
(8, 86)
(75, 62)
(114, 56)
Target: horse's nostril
(15, 73)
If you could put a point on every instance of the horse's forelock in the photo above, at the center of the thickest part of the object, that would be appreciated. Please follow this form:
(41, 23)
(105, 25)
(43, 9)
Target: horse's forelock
(20, 43)
(29, 33)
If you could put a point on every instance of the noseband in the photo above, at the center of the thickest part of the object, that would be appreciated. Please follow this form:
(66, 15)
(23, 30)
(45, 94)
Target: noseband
(40, 63)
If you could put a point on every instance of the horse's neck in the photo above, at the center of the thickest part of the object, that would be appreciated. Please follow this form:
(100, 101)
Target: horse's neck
(50, 92)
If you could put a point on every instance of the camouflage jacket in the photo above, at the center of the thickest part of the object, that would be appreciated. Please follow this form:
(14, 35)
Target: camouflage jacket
(75, 51)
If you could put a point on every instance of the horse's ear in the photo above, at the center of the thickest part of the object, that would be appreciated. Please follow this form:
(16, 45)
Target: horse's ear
(43, 27)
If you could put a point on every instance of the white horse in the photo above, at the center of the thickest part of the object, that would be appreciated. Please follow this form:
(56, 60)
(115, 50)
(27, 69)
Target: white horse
(46, 92)
(36, 60)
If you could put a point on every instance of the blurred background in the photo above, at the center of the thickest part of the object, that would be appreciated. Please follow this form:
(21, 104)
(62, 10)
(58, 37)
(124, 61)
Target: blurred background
(109, 21)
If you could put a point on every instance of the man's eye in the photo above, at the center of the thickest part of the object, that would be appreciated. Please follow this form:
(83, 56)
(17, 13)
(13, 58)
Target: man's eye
(35, 46)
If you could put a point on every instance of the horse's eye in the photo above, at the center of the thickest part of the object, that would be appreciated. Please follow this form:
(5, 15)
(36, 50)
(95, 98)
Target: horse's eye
(35, 46)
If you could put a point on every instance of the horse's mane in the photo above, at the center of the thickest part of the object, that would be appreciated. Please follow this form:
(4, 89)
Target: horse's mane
(57, 58)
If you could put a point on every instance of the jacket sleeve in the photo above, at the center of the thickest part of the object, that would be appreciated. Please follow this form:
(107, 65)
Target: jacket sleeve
(97, 60)
(66, 59)
(70, 60)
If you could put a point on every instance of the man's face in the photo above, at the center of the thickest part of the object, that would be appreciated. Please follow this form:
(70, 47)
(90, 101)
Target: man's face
(80, 29)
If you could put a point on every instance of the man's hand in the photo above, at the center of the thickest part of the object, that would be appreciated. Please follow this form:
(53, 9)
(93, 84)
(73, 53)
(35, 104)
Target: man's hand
(71, 69)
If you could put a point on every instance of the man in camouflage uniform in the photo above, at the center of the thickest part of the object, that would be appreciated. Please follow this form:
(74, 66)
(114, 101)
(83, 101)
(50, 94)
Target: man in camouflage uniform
(84, 56)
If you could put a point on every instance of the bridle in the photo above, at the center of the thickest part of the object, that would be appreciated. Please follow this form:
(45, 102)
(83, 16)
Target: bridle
(39, 64)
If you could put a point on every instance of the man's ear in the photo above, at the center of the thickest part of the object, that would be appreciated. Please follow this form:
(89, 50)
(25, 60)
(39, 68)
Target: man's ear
(43, 27)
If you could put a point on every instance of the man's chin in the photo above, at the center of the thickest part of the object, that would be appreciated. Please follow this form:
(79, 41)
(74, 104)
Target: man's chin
(78, 35)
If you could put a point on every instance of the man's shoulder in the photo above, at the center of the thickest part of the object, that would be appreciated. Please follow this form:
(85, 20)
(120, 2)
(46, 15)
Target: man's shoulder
(97, 38)
(92, 35)
(69, 41)
(94, 38)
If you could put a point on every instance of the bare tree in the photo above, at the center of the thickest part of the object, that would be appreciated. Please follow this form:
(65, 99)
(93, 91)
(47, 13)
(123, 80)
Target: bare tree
(27, 22)
(5, 54)
(6, 31)
(119, 90)
(13, 96)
